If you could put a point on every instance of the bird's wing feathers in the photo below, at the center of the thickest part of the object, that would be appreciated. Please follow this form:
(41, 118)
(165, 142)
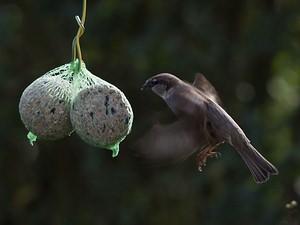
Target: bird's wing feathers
(226, 128)
(223, 125)
(202, 84)
(167, 144)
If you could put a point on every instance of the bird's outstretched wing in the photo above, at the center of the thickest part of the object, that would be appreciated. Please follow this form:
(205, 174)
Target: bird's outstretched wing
(171, 143)
(202, 84)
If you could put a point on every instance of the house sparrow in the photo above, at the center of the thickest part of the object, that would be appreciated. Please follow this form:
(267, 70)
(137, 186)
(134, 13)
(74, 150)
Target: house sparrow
(202, 125)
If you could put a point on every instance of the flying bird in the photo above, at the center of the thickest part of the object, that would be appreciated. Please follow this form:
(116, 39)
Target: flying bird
(201, 125)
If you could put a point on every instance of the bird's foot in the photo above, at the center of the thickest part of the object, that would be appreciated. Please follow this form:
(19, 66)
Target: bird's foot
(204, 154)
(215, 154)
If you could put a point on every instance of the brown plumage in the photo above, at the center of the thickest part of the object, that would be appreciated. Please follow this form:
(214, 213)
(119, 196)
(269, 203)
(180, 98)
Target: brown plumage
(202, 125)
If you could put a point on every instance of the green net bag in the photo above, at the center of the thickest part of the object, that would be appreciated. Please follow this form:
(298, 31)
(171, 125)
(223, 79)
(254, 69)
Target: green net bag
(70, 98)
(45, 105)
(100, 114)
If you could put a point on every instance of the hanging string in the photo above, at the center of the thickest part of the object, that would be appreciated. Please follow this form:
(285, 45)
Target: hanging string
(76, 50)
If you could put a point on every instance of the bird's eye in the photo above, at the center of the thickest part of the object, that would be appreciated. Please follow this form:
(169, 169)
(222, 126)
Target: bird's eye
(154, 81)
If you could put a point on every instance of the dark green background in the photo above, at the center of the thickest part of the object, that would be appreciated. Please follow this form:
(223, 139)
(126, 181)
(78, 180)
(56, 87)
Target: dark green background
(248, 49)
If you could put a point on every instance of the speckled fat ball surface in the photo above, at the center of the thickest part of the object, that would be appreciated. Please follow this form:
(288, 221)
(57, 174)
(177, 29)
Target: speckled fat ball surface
(45, 107)
(101, 115)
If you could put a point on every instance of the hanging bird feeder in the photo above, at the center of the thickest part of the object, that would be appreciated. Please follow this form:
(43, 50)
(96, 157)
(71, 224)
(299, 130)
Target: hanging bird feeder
(70, 98)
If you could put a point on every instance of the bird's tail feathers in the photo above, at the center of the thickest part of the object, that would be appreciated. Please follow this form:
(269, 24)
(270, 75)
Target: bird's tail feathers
(260, 168)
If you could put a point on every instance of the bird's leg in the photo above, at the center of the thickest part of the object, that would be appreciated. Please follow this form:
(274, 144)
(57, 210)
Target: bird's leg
(213, 141)
(204, 154)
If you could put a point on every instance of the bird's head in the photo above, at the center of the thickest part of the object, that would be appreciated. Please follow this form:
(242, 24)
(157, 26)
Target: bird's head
(161, 84)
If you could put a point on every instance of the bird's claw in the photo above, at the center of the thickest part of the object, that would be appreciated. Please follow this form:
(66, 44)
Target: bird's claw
(200, 165)
(203, 155)
(215, 154)
(199, 168)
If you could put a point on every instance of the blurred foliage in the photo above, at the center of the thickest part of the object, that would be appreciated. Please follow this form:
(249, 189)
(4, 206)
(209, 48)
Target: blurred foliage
(250, 50)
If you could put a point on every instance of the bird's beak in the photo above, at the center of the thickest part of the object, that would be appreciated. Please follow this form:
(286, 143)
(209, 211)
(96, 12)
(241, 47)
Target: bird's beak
(147, 86)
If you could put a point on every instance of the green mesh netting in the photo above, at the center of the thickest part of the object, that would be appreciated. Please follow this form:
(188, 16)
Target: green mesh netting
(101, 114)
(69, 98)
